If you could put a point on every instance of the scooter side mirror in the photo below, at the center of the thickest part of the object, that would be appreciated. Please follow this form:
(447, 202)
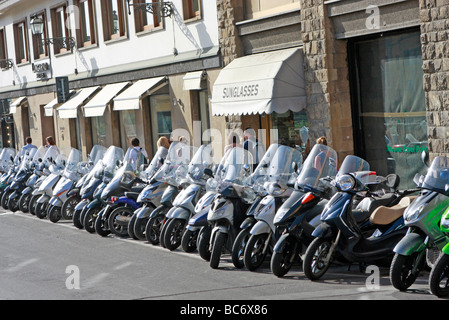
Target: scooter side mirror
(208, 172)
(417, 179)
(446, 188)
(425, 158)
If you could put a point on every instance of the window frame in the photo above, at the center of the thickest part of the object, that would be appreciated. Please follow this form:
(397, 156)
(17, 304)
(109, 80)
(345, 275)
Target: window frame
(106, 9)
(141, 19)
(24, 38)
(3, 44)
(81, 42)
(55, 24)
(36, 41)
(188, 12)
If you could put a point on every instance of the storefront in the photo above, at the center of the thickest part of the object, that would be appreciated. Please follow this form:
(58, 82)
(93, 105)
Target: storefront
(271, 86)
(389, 103)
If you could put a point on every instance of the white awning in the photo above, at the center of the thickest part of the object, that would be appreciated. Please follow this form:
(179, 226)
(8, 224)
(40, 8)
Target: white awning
(16, 103)
(96, 106)
(130, 98)
(192, 80)
(261, 83)
(70, 108)
(52, 104)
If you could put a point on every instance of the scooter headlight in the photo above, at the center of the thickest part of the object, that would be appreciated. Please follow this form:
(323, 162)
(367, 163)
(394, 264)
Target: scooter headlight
(346, 182)
(445, 224)
(411, 215)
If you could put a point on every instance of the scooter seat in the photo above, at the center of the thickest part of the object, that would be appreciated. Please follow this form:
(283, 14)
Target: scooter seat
(132, 195)
(386, 215)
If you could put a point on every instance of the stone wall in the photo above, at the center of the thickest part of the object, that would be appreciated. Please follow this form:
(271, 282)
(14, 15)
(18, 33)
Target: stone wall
(434, 15)
(327, 82)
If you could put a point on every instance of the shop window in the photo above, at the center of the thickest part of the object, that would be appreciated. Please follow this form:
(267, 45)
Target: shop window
(60, 29)
(86, 34)
(128, 127)
(203, 104)
(191, 9)
(144, 20)
(259, 8)
(114, 19)
(98, 125)
(21, 42)
(291, 129)
(161, 119)
(39, 48)
(390, 114)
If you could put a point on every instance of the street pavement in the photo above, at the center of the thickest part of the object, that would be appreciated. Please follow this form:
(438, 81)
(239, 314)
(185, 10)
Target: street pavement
(41, 260)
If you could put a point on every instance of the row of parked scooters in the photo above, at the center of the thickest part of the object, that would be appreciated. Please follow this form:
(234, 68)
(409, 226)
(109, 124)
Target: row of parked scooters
(291, 211)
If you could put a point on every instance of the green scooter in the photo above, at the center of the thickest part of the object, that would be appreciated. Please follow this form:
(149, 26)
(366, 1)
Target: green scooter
(439, 276)
(424, 239)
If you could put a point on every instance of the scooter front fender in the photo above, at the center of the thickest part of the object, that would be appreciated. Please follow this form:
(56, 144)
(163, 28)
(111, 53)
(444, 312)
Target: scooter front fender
(143, 212)
(157, 211)
(56, 201)
(323, 230)
(260, 227)
(179, 213)
(410, 244)
(81, 204)
(284, 240)
(43, 198)
(249, 222)
(27, 190)
(446, 249)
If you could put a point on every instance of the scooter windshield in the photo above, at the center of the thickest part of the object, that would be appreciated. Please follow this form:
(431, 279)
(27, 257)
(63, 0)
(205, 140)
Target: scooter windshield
(282, 165)
(97, 153)
(27, 159)
(320, 163)
(176, 163)
(40, 154)
(353, 164)
(73, 160)
(236, 168)
(5, 157)
(203, 159)
(437, 176)
(51, 153)
(155, 163)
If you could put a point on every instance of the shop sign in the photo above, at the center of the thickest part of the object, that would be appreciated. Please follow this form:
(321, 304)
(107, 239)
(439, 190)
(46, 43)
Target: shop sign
(41, 69)
(242, 91)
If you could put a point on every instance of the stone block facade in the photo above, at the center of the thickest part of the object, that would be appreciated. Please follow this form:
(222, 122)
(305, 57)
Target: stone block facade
(434, 16)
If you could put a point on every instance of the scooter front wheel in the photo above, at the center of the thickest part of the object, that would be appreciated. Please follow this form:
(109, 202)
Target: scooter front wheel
(153, 229)
(41, 210)
(238, 248)
(173, 233)
(439, 277)
(101, 226)
(204, 243)
(68, 207)
(315, 262)
(89, 219)
(405, 269)
(13, 204)
(54, 214)
(5, 198)
(255, 252)
(189, 240)
(282, 260)
(24, 202)
(217, 249)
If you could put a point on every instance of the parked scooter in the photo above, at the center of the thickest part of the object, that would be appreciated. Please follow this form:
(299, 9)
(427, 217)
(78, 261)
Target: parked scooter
(300, 213)
(86, 210)
(231, 203)
(439, 276)
(73, 196)
(45, 190)
(71, 174)
(10, 199)
(340, 232)
(123, 181)
(33, 181)
(149, 197)
(171, 173)
(282, 165)
(9, 164)
(184, 203)
(424, 240)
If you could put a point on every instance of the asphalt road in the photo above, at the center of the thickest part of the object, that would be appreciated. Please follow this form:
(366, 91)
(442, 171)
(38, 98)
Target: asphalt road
(41, 260)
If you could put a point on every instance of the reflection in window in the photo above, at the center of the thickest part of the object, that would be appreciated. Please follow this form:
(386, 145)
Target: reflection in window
(292, 129)
(98, 130)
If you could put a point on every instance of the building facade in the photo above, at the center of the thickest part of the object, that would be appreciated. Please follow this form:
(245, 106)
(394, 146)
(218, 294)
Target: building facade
(135, 70)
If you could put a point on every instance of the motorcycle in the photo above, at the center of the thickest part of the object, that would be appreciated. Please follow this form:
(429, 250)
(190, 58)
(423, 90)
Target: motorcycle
(69, 177)
(340, 232)
(281, 169)
(439, 275)
(170, 173)
(424, 239)
(185, 202)
(232, 201)
(149, 197)
(73, 195)
(300, 213)
(10, 199)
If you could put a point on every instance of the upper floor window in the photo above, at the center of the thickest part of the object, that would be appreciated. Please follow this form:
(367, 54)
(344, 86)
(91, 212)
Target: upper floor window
(86, 34)
(21, 42)
(259, 8)
(3, 54)
(60, 29)
(114, 19)
(146, 21)
(39, 47)
(191, 9)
